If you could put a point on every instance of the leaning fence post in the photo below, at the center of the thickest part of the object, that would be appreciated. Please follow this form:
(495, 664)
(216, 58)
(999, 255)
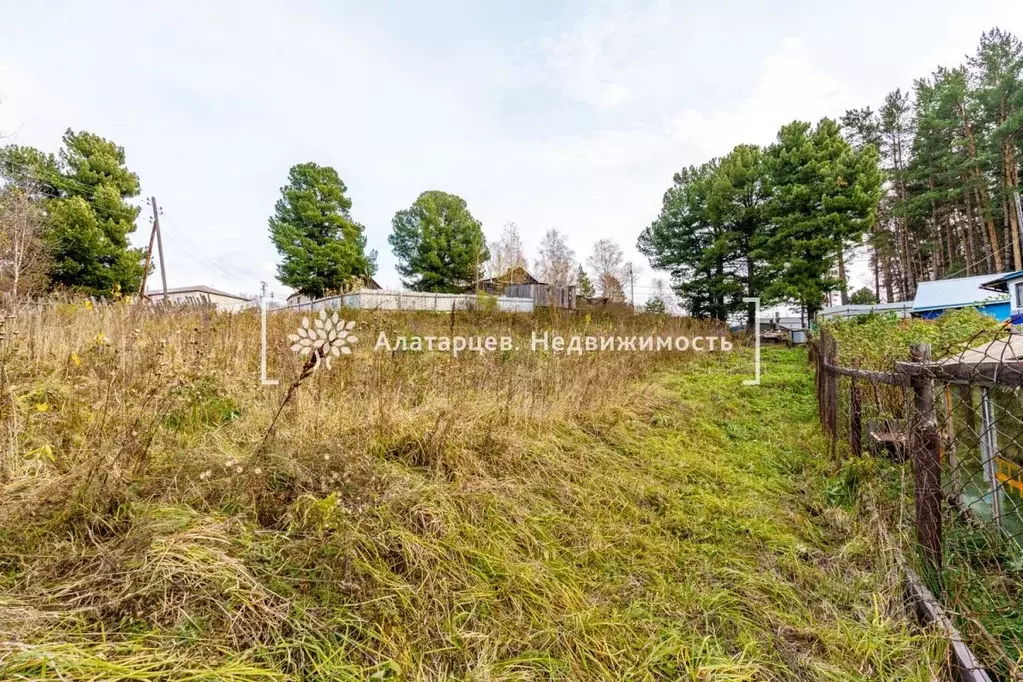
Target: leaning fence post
(925, 450)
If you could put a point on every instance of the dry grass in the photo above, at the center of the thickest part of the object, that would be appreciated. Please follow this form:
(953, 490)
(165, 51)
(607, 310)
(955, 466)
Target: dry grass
(511, 516)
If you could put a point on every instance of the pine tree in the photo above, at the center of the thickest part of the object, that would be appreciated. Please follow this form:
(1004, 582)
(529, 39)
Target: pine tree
(439, 245)
(692, 247)
(655, 305)
(582, 280)
(736, 203)
(998, 72)
(862, 129)
(90, 219)
(322, 249)
(824, 195)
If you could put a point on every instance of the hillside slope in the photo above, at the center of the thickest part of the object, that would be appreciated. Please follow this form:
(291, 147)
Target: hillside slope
(679, 533)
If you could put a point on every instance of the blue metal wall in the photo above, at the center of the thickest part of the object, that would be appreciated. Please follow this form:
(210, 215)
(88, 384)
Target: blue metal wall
(999, 311)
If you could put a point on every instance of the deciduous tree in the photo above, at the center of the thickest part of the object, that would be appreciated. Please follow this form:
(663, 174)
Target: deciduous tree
(24, 253)
(606, 263)
(554, 266)
(507, 253)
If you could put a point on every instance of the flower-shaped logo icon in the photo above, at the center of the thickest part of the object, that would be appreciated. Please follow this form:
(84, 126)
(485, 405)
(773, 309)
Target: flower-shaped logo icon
(326, 338)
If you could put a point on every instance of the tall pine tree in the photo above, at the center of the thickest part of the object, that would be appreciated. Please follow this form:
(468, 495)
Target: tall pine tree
(439, 245)
(824, 195)
(322, 249)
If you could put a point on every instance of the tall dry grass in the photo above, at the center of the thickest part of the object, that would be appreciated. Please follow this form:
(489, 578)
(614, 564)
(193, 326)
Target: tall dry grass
(141, 504)
(505, 516)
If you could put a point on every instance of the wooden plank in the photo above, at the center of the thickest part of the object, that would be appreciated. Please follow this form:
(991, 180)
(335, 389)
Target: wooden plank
(964, 664)
(890, 378)
(1008, 374)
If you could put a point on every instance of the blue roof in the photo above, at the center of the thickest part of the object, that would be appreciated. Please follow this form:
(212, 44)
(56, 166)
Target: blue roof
(961, 292)
(1001, 283)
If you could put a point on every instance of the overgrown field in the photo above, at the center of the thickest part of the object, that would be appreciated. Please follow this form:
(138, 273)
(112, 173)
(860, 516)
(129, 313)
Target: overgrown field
(506, 516)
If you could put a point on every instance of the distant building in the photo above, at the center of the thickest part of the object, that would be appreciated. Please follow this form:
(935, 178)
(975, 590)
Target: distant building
(780, 323)
(900, 310)
(380, 299)
(495, 286)
(200, 295)
(1011, 284)
(934, 298)
(518, 283)
(592, 301)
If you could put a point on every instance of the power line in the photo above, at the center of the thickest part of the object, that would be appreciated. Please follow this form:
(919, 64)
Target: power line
(1004, 250)
(189, 244)
(198, 257)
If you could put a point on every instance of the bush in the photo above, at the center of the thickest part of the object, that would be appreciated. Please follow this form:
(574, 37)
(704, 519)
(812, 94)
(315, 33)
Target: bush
(877, 341)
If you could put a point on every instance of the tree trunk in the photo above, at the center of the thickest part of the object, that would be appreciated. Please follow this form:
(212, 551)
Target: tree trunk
(1008, 200)
(979, 247)
(968, 252)
(843, 284)
(980, 192)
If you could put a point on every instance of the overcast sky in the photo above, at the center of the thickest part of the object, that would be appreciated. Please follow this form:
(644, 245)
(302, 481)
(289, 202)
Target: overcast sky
(571, 115)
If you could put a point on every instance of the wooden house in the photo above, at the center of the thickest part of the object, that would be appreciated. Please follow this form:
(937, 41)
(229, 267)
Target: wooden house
(518, 283)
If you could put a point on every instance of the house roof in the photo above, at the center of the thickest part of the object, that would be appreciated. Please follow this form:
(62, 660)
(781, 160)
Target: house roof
(197, 289)
(998, 351)
(1001, 283)
(516, 275)
(961, 292)
(782, 321)
(853, 310)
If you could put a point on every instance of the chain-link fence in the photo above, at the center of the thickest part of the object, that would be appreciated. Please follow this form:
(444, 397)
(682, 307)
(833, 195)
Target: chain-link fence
(954, 419)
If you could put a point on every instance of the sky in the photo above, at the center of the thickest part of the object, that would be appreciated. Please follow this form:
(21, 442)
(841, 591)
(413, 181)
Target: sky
(571, 115)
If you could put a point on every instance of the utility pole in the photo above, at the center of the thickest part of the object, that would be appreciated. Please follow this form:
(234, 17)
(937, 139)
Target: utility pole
(159, 245)
(632, 288)
(1019, 212)
(149, 260)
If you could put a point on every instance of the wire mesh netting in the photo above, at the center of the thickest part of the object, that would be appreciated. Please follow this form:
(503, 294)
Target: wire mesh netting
(953, 419)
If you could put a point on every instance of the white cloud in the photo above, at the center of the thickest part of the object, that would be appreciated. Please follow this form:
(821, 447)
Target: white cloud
(543, 115)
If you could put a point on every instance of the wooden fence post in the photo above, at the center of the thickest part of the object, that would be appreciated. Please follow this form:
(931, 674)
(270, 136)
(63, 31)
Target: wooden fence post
(925, 450)
(831, 394)
(855, 430)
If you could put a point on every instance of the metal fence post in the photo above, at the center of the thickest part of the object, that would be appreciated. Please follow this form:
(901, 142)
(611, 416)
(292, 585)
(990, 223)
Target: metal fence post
(925, 450)
(988, 452)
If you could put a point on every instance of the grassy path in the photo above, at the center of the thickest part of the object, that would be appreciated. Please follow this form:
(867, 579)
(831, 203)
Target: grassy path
(681, 533)
(785, 584)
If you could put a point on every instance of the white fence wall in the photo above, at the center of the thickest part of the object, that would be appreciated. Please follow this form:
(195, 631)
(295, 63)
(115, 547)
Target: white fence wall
(379, 299)
(901, 310)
